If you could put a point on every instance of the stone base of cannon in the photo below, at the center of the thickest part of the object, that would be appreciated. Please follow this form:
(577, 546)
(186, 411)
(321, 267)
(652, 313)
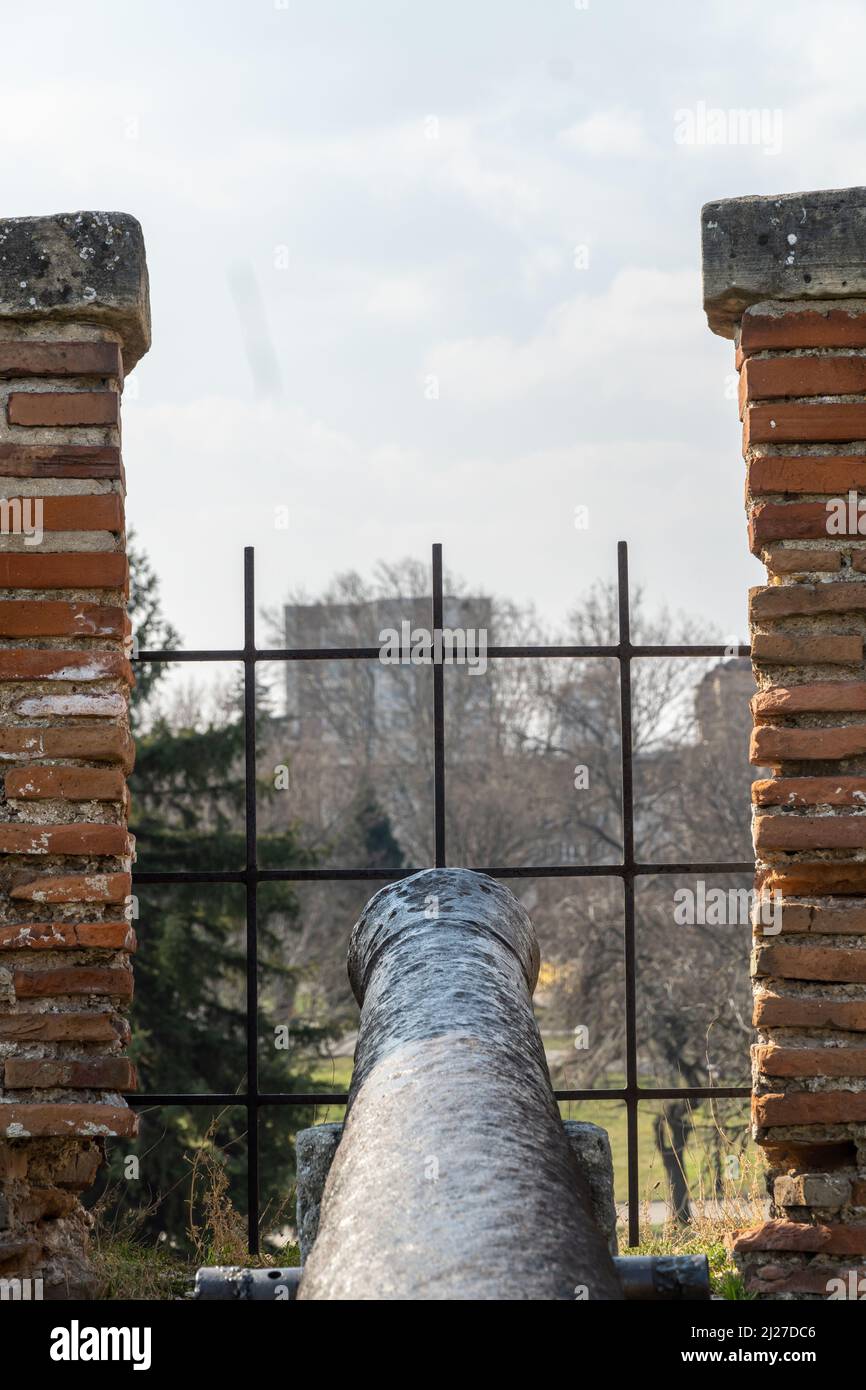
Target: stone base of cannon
(315, 1149)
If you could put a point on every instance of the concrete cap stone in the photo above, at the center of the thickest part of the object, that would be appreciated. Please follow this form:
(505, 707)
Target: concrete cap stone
(87, 267)
(790, 246)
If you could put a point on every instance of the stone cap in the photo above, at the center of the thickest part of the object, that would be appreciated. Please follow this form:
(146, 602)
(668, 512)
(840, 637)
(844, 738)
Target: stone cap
(790, 246)
(83, 266)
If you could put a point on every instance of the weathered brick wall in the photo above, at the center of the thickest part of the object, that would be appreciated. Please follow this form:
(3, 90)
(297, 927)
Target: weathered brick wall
(65, 747)
(803, 387)
(802, 379)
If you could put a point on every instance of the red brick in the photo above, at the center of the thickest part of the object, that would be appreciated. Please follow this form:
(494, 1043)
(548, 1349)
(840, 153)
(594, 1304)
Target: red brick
(60, 936)
(73, 979)
(41, 1120)
(52, 618)
(770, 746)
(809, 832)
(31, 358)
(822, 918)
(31, 664)
(810, 1108)
(805, 791)
(78, 1168)
(773, 378)
(810, 1061)
(788, 521)
(796, 600)
(801, 328)
(45, 1203)
(829, 473)
(65, 570)
(68, 783)
(73, 888)
(797, 1156)
(60, 408)
(13, 1161)
(60, 461)
(802, 879)
(802, 1236)
(791, 560)
(64, 839)
(807, 650)
(93, 1073)
(108, 743)
(86, 513)
(833, 964)
(836, 423)
(812, 696)
(777, 1011)
(801, 1281)
(64, 1027)
(102, 512)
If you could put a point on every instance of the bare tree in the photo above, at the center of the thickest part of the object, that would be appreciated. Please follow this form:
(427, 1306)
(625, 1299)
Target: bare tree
(534, 777)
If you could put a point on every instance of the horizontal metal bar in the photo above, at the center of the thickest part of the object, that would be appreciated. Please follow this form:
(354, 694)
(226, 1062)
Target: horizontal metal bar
(660, 1093)
(243, 1102)
(494, 653)
(341, 1098)
(190, 876)
(233, 654)
(392, 875)
(242, 1099)
(688, 650)
(737, 866)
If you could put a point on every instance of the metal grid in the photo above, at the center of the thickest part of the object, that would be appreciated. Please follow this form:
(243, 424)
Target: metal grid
(632, 1094)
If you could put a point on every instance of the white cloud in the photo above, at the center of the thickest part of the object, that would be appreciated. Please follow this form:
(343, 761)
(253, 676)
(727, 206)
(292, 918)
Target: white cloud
(614, 134)
(618, 336)
(402, 298)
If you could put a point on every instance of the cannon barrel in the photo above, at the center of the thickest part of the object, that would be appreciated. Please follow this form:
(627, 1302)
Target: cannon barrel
(453, 1178)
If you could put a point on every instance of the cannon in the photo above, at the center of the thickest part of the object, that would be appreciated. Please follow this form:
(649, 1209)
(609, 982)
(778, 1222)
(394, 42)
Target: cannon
(454, 1178)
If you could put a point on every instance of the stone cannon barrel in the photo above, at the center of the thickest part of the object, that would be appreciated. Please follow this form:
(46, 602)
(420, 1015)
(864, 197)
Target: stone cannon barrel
(454, 1178)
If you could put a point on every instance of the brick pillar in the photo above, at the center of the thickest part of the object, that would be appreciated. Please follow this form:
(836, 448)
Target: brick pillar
(74, 317)
(786, 279)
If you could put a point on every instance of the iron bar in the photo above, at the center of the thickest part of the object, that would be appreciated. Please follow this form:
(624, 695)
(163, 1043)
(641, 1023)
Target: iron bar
(251, 880)
(438, 715)
(494, 871)
(250, 875)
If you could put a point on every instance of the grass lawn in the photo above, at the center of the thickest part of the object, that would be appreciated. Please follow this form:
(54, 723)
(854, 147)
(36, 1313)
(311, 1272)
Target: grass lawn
(336, 1073)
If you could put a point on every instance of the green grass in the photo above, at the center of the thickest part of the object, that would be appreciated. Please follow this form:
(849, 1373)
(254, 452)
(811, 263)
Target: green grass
(725, 1280)
(336, 1074)
(699, 1156)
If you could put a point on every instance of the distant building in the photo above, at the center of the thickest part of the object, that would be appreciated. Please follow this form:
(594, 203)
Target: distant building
(378, 702)
(722, 701)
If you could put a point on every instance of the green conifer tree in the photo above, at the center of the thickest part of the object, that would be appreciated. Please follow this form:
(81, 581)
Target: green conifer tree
(189, 1013)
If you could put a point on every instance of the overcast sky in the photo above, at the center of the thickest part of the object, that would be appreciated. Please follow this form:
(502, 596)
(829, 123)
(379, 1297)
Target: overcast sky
(428, 271)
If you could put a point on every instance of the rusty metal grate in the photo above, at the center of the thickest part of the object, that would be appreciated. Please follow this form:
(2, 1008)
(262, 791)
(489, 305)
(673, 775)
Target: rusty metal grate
(629, 870)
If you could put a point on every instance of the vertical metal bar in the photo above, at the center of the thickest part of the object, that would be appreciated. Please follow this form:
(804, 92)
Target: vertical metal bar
(251, 881)
(627, 747)
(438, 715)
